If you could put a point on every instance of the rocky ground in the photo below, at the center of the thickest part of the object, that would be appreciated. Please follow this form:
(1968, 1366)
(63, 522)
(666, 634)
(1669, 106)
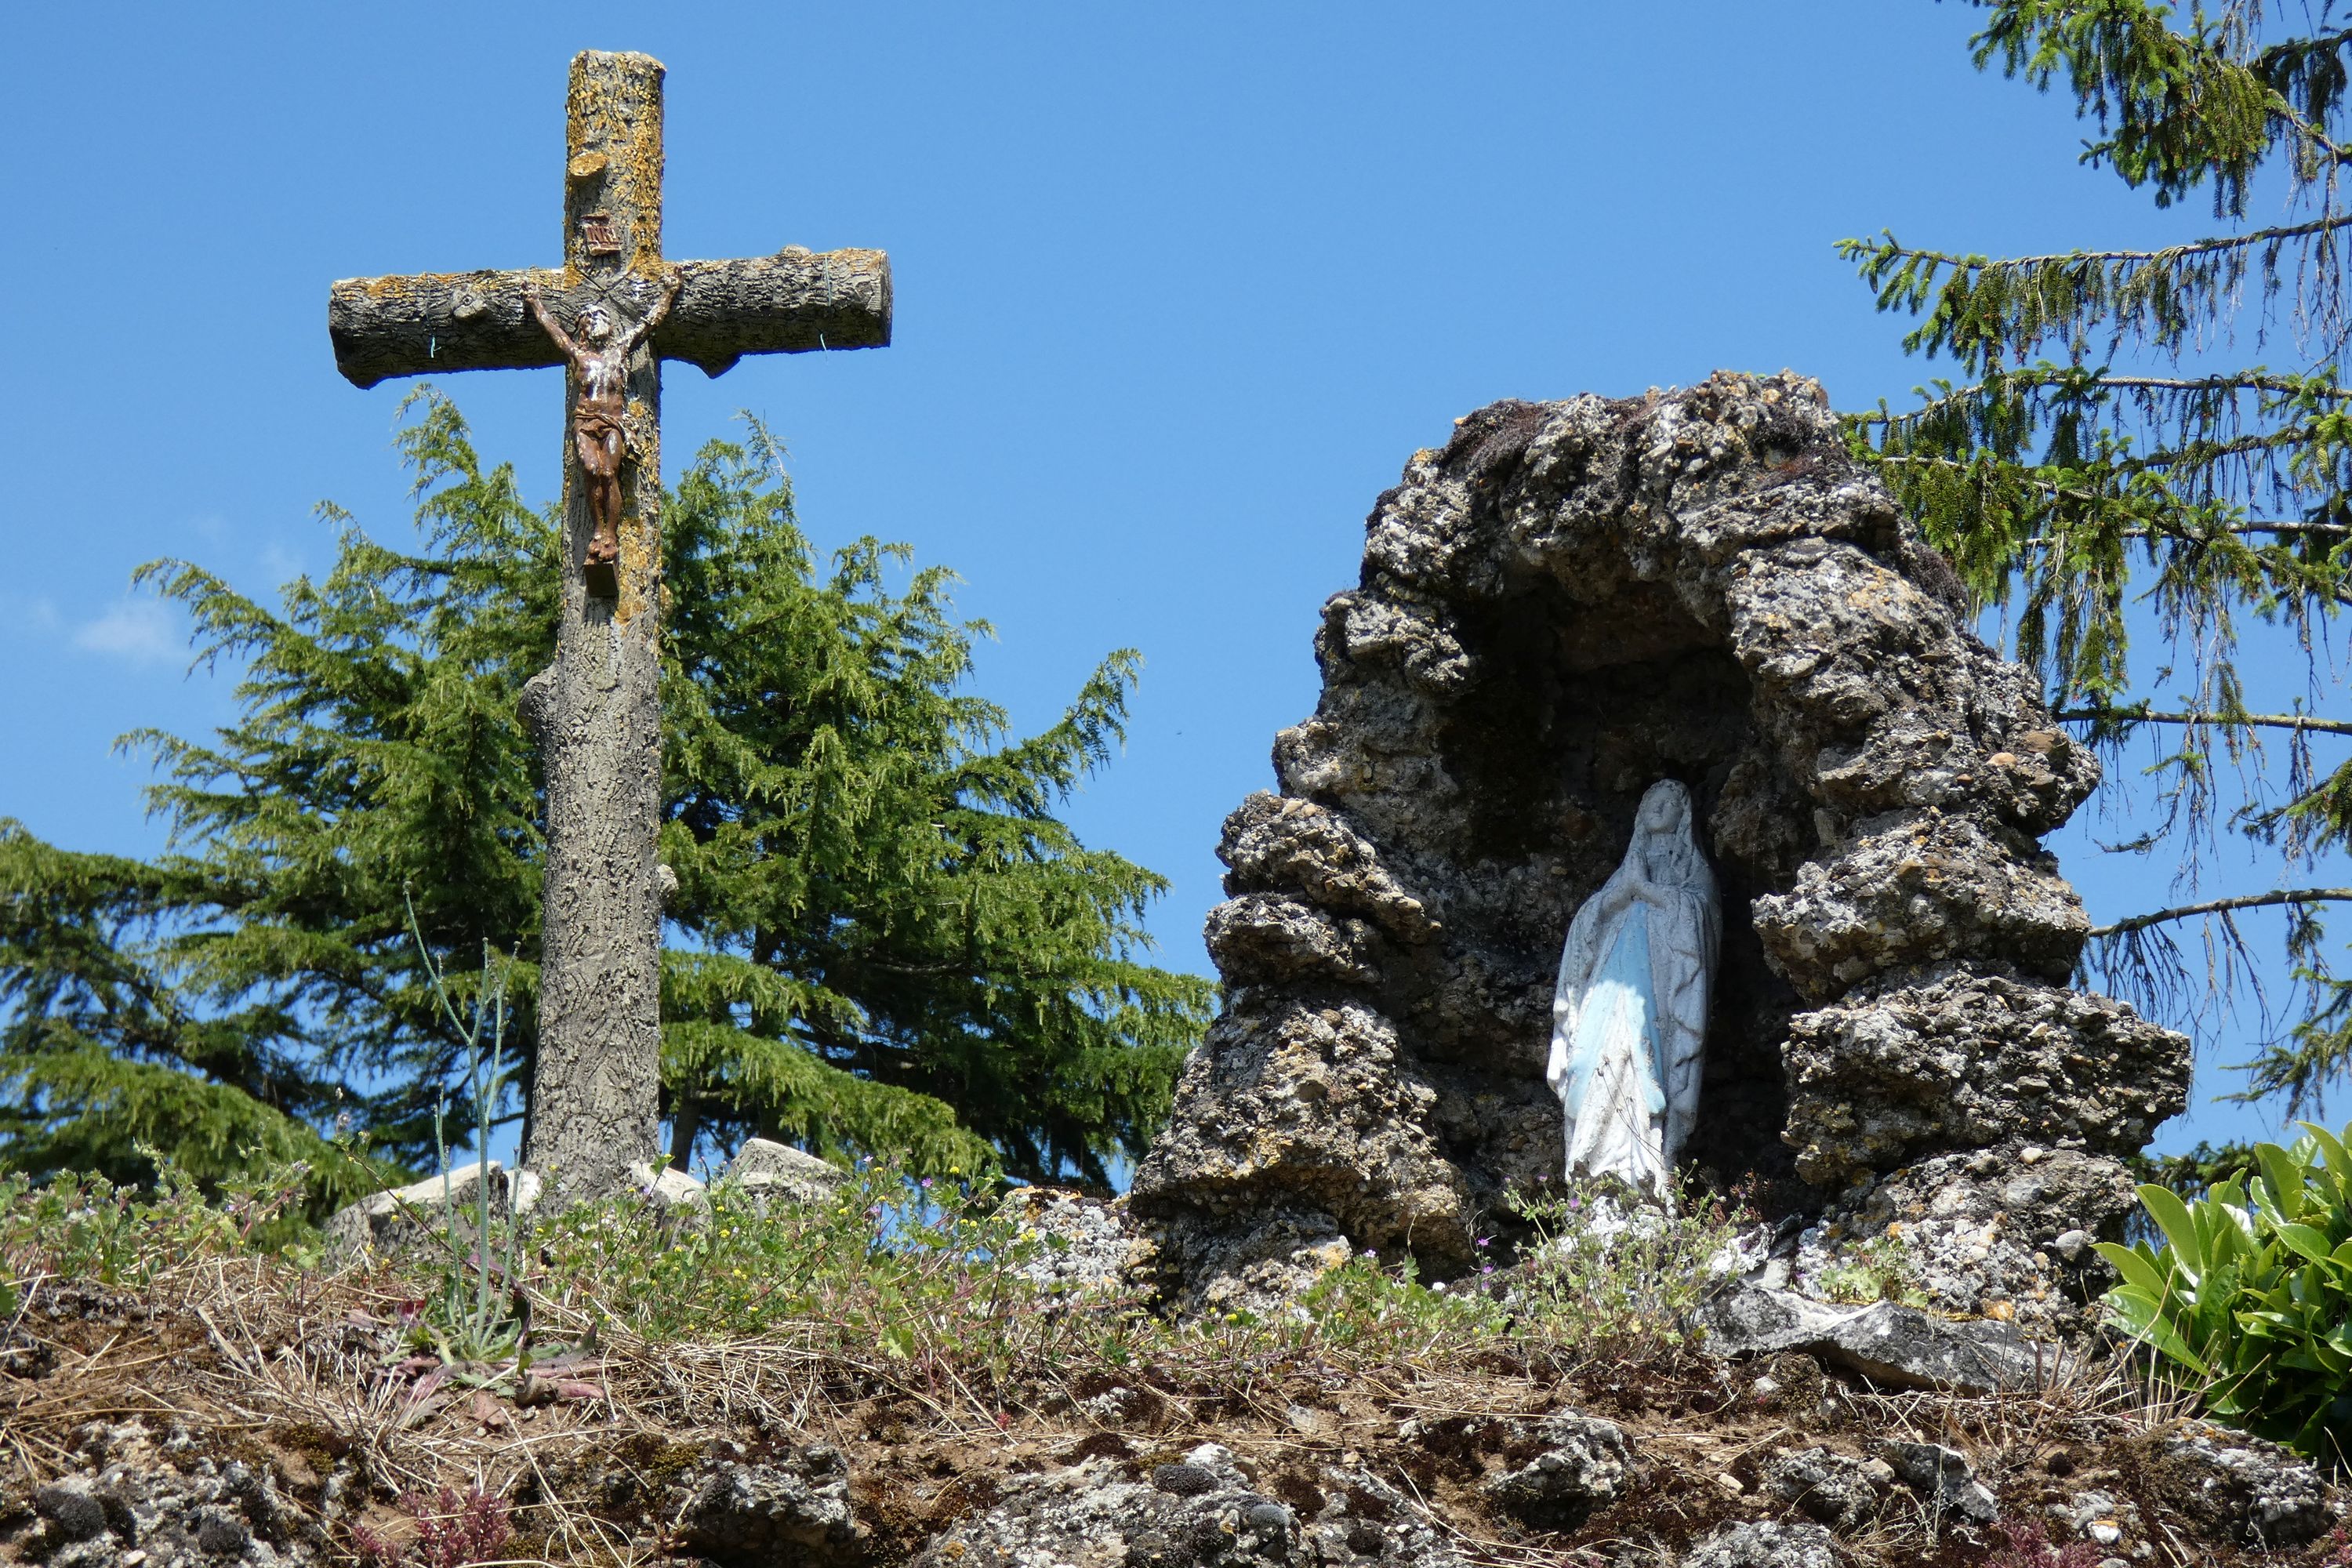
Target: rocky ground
(250, 1412)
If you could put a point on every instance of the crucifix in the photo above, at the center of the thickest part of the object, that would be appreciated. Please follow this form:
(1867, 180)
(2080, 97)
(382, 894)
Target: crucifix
(611, 313)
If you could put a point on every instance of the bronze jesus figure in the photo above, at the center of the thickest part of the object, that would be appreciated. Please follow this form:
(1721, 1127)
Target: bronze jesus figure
(601, 364)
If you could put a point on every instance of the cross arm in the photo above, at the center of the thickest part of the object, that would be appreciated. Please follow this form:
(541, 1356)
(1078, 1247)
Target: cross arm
(437, 321)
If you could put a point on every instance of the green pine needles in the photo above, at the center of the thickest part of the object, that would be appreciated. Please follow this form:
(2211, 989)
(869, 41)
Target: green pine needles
(884, 941)
(2103, 478)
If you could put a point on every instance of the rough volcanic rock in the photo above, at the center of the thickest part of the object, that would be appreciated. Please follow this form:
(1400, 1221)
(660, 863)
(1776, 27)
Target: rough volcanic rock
(1319, 1134)
(1083, 1244)
(1837, 1489)
(163, 1501)
(2244, 1490)
(1944, 1481)
(1202, 1510)
(1566, 603)
(1764, 1546)
(2003, 1232)
(792, 1507)
(1580, 1463)
(1916, 887)
(1255, 1265)
(1920, 1061)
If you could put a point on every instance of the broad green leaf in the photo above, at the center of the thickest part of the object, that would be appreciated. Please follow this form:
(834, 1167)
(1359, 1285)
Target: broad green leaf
(2332, 1148)
(2138, 1267)
(2310, 1243)
(2283, 1175)
(2179, 1227)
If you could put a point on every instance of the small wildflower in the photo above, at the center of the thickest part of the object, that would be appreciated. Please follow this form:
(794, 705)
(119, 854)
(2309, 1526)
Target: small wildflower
(1484, 1240)
(1486, 1268)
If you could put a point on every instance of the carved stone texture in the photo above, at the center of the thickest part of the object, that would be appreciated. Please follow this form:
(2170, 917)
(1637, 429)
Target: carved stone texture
(595, 1088)
(1563, 605)
(595, 711)
(792, 303)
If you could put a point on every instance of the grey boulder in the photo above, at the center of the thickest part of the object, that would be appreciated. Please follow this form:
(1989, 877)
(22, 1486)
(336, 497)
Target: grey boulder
(1891, 1345)
(772, 1170)
(1831, 1488)
(1944, 1479)
(399, 1219)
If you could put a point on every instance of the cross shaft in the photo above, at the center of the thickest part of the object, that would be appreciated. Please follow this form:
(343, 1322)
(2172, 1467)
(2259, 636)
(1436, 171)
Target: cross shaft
(595, 711)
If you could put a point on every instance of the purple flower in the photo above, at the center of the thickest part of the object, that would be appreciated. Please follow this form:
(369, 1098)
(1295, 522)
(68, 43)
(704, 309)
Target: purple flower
(927, 1183)
(1484, 1240)
(1486, 1268)
(1574, 1204)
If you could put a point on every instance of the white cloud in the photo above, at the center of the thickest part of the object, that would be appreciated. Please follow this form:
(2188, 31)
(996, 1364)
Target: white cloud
(38, 615)
(140, 631)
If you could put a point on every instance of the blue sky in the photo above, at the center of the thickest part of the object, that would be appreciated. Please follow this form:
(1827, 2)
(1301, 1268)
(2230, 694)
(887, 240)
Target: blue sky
(1178, 290)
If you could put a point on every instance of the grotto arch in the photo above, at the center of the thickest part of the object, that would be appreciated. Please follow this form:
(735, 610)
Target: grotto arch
(1564, 604)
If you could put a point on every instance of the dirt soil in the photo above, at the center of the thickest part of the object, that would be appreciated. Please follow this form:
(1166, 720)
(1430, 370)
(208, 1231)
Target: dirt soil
(286, 1375)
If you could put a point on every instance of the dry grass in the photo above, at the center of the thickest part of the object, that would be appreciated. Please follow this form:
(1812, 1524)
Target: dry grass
(935, 1369)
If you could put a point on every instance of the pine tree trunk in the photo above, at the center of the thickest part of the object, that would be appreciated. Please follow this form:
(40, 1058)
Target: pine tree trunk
(597, 709)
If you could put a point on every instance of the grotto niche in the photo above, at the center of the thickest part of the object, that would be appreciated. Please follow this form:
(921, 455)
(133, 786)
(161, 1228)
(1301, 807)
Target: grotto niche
(1568, 603)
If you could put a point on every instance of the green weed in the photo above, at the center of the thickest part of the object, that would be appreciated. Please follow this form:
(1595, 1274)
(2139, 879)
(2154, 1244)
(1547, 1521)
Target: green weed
(2249, 1300)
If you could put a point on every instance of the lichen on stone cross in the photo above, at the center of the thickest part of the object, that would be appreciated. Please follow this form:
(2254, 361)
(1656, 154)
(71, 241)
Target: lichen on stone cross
(613, 312)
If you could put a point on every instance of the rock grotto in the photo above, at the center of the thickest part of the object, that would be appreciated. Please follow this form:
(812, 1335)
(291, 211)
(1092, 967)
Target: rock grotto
(1567, 603)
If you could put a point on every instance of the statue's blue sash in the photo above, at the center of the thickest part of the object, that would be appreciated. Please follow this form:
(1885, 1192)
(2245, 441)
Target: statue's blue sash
(1617, 1008)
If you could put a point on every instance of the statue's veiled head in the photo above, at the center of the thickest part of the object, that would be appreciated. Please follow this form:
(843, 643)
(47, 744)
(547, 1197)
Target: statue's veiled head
(1662, 836)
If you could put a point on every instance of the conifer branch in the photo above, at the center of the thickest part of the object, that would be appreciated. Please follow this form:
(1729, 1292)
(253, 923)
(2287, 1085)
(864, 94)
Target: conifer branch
(2269, 525)
(2066, 377)
(2302, 721)
(2236, 488)
(2225, 906)
(2167, 255)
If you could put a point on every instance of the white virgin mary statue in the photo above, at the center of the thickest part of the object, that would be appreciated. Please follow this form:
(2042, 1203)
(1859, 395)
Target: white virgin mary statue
(1629, 1017)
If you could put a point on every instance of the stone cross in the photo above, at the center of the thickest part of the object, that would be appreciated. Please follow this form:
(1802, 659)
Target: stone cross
(595, 711)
